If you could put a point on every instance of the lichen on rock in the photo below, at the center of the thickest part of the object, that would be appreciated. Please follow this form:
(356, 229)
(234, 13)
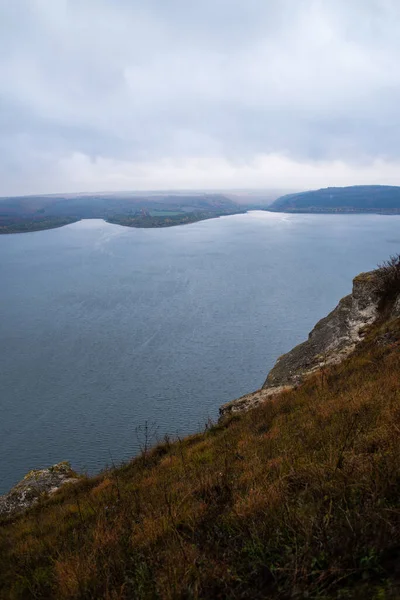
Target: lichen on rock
(36, 484)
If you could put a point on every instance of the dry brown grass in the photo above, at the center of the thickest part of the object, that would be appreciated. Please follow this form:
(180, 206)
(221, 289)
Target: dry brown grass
(297, 498)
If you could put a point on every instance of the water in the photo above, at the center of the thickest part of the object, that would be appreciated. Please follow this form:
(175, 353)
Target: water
(104, 327)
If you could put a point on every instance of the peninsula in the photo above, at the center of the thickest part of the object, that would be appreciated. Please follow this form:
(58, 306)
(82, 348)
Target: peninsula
(34, 213)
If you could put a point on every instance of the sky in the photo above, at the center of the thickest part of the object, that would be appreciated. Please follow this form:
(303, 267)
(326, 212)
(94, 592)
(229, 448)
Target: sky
(198, 94)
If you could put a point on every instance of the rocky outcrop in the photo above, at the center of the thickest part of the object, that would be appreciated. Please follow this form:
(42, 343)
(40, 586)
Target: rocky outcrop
(35, 485)
(332, 339)
(251, 400)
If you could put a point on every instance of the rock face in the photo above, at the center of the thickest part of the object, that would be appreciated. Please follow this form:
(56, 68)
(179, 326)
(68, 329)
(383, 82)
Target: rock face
(332, 339)
(33, 486)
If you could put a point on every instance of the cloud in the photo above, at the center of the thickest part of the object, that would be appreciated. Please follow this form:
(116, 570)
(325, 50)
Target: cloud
(175, 94)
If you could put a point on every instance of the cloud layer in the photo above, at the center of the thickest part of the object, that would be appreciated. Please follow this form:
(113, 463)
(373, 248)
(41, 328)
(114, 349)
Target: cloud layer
(215, 94)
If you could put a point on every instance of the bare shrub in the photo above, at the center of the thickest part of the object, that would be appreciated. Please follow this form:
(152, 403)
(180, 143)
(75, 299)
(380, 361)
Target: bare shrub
(146, 436)
(388, 280)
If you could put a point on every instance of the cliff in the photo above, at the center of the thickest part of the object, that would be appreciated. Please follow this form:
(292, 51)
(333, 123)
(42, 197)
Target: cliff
(333, 338)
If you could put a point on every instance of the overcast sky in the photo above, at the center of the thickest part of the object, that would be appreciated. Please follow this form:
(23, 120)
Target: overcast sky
(185, 94)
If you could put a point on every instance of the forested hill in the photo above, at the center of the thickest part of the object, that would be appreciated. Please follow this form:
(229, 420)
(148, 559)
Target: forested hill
(355, 199)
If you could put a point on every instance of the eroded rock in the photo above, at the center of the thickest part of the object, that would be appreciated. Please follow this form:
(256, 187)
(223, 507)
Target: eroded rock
(34, 485)
(333, 338)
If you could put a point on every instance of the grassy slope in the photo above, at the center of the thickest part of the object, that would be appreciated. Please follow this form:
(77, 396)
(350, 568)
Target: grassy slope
(298, 498)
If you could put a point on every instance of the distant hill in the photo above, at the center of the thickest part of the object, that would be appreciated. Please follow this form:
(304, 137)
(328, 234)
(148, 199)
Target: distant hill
(101, 206)
(33, 213)
(383, 199)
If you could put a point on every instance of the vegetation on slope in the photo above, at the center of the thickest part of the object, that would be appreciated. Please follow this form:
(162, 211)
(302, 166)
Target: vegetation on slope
(297, 498)
(354, 199)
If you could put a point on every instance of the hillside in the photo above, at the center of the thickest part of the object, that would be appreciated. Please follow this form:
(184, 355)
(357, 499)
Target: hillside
(297, 498)
(383, 199)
